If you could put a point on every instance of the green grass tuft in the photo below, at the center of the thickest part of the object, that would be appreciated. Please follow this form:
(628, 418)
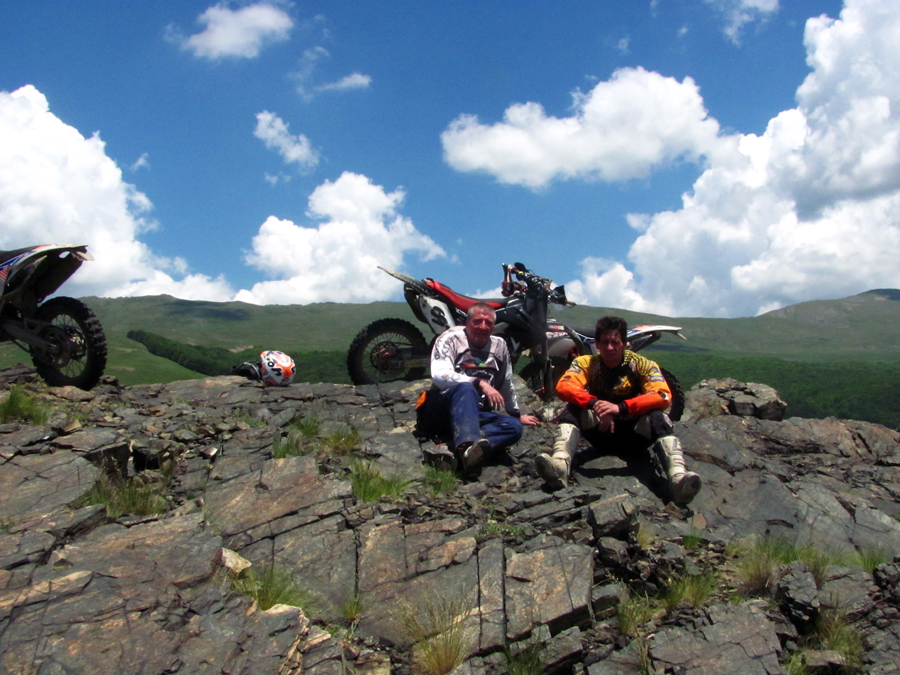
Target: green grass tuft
(641, 648)
(836, 632)
(307, 426)
(121, 497)
(693, 590)
(438, 633)
(832, 631)
(691, 541)
(758, 564)
(270, 586)
(292, 445)
(370, 485)
(20, 406)
(527, 661)
(493, 528)
(439, 481)
(633, 612)
(251, 420)
(870, 558)
(341, 440)
(352, 610)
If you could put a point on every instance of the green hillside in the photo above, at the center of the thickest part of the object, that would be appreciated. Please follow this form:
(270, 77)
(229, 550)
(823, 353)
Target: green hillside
(828, 357)
(864, 327)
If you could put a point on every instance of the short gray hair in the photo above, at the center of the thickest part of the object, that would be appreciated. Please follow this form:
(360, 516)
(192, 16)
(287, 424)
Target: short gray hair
(480, 306)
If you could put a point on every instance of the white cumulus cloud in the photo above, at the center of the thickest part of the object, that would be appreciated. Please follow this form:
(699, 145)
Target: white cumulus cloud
(238, 32)
(337, 259)
(621, 129)
(56, 186)
(271, 129)
(810, 209)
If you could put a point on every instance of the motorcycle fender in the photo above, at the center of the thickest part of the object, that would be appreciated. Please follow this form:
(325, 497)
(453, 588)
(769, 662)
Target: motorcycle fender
(53, 273)
(563, 342)
(644, 336)
(43, 269)
(437, 314)
(560, 345)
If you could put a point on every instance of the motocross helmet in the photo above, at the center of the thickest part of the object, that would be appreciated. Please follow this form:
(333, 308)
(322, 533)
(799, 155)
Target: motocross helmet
(276, 368)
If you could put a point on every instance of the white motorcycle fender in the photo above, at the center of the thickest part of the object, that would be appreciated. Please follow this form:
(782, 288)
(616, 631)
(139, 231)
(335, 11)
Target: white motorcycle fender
(437, 313)
(560, 344)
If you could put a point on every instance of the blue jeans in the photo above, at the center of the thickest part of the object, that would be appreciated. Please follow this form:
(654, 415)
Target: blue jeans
(455, 413)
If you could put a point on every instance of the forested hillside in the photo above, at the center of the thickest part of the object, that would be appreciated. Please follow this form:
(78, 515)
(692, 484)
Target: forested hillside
(827, 358)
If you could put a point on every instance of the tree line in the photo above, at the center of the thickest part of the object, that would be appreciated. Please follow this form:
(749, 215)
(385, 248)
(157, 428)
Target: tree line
(311, 366)
(845, 389)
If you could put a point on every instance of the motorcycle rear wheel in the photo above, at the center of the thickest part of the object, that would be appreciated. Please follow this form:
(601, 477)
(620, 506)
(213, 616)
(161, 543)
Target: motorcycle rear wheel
(380, 351)
(80, 355)
(676, 410)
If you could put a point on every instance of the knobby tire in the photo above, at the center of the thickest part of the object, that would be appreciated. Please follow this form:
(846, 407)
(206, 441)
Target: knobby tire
(376, 350)
(74, 328)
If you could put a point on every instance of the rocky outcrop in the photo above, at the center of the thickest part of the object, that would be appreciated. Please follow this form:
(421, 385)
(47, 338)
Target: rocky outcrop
(511, 567)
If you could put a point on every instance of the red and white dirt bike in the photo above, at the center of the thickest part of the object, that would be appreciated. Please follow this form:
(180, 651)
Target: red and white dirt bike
(394, 349)
(64, 338)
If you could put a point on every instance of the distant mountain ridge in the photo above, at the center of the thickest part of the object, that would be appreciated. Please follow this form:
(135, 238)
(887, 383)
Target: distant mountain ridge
(847, 347)
(330, 326)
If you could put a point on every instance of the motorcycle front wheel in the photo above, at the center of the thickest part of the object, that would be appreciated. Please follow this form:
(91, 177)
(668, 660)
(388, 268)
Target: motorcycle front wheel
(78, 354)
(387, 350)
(542, 379)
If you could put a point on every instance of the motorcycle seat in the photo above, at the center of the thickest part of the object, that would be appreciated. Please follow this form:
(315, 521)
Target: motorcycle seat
(461, 301)
(9, 255)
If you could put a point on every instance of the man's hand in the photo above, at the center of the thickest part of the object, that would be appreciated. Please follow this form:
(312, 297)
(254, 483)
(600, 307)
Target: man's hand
(530, 421)
(494, 397)
(605, 410)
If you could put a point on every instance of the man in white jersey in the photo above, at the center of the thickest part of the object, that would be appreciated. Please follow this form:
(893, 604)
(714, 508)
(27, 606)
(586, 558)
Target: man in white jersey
(472, 398)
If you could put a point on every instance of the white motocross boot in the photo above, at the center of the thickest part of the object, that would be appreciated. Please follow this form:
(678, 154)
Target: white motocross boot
(555, 469)
(684, 485)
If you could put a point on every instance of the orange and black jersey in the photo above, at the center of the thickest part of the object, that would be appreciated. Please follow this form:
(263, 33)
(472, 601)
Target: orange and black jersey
(637, 384)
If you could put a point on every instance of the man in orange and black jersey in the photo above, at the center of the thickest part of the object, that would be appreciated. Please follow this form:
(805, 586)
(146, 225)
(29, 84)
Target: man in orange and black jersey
(614, 392)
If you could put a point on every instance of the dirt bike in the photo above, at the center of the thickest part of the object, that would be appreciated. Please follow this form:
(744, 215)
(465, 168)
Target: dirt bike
(63, 336)
(394, 349)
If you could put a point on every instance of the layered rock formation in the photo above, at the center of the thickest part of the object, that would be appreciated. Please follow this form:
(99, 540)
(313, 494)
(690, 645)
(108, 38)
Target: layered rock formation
(510, 568)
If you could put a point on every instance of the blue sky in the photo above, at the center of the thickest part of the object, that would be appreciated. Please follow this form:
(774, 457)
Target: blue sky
(681, 157)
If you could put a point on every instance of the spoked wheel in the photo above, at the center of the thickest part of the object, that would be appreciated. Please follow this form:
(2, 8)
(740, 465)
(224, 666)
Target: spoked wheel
(676, 410)
(78, 346)
(387, 350)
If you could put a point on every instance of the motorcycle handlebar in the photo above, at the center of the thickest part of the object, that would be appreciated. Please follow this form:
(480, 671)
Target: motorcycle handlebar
(522, 274)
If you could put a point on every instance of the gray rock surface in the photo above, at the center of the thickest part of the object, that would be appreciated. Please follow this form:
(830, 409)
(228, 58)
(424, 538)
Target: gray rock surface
(511, 567)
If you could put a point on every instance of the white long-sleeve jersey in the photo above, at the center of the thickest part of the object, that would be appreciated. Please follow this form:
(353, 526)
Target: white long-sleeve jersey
(454, 360)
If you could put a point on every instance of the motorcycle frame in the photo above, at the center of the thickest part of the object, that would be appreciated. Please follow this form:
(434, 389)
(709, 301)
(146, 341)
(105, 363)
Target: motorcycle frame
(28, 278)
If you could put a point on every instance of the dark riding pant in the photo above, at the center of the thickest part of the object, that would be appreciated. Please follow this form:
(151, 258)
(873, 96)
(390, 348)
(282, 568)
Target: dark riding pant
(454, 413)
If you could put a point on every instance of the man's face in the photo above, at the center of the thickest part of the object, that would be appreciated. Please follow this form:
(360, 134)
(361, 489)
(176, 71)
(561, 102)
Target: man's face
(479, 327)
(611, 348)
